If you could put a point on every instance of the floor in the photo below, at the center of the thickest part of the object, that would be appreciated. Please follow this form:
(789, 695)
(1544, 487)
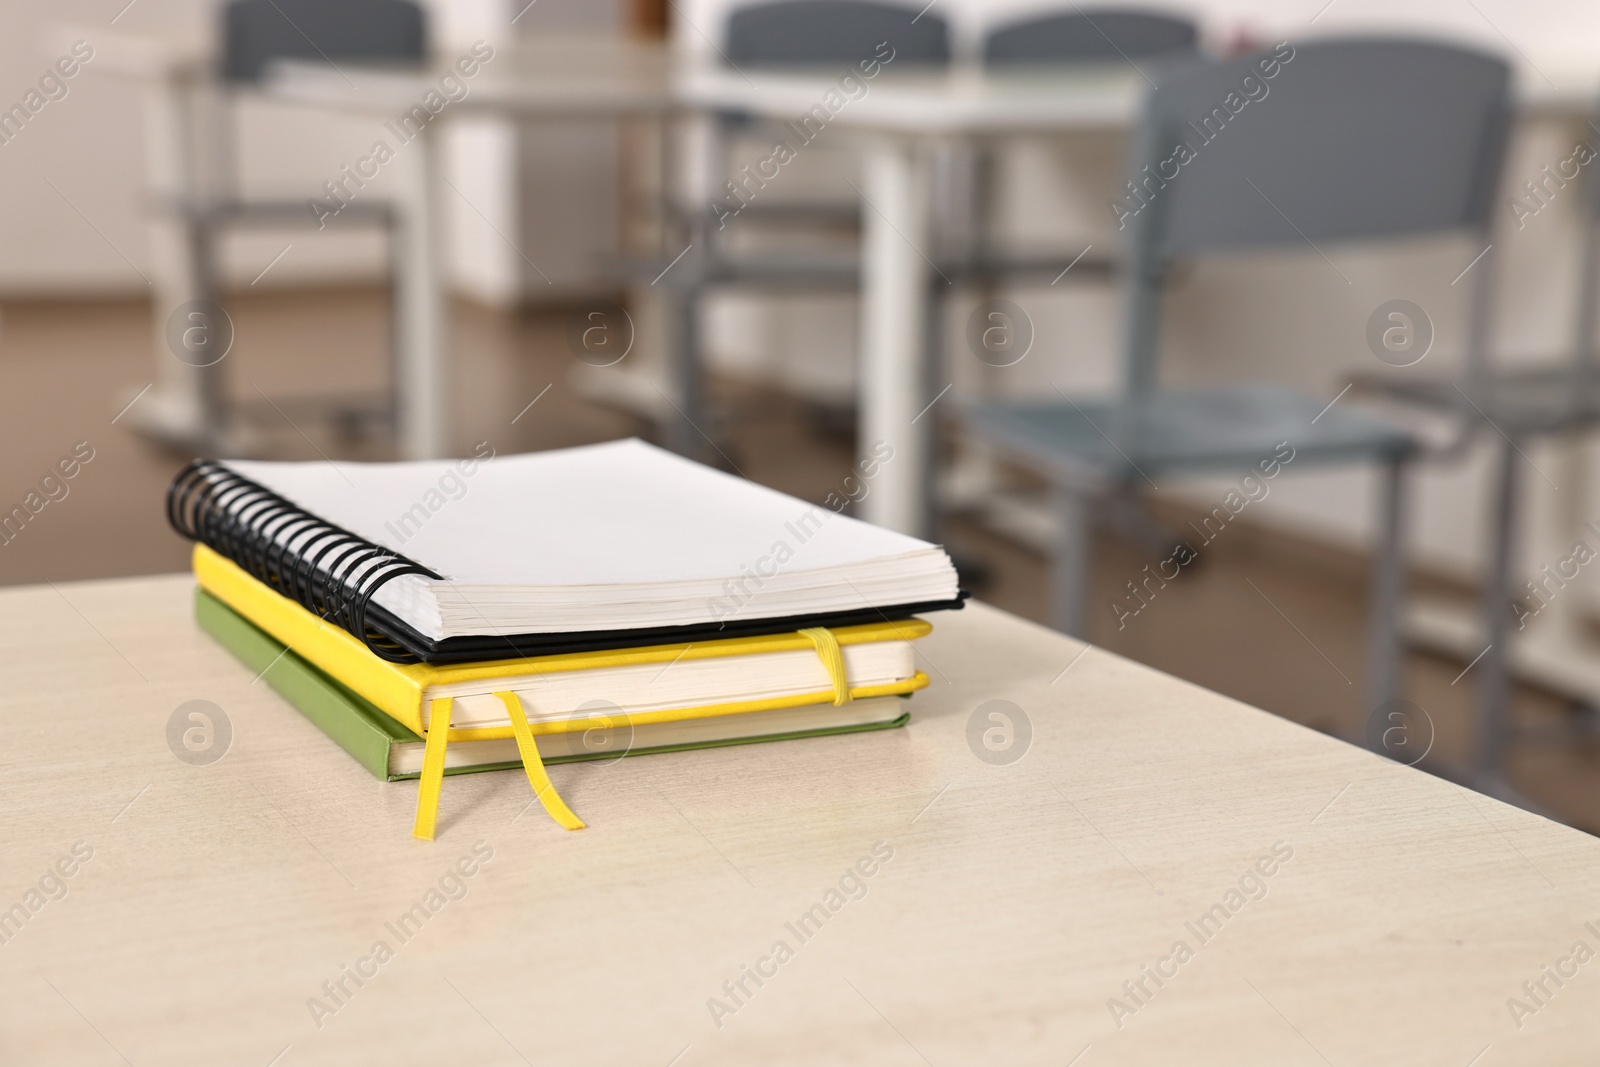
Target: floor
(1274, 623)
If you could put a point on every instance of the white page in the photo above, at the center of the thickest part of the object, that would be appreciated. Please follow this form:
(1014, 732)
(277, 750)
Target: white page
(623, 512)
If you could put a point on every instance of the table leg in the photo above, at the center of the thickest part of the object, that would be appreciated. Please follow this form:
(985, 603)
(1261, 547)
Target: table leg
(1494, 678)
(1384, 657)
(686, 432)
(421, 323)
(894, 301)
(178, 408)
(1072, 570)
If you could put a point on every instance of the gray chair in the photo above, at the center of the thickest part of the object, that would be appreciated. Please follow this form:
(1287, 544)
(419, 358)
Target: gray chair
(1110, 36)
(809, 33)
(816, 32)
(819, 33)
(1085, 35)
(1510, 408)
(1355, 140)
(254, 33)
(1061, 39)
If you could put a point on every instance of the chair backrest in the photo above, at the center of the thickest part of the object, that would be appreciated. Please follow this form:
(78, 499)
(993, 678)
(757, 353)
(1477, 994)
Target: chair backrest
(1305, 145)
(255, 32)
(1089, 35)
(833, 31)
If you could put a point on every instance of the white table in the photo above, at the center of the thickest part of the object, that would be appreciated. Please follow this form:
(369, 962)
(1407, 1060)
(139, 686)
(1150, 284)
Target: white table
(895, 123)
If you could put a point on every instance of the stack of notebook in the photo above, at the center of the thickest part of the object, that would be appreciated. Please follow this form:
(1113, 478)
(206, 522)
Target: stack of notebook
(584, 604)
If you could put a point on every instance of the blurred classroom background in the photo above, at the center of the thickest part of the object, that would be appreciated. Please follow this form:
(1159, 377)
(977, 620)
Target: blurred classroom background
(581, 185)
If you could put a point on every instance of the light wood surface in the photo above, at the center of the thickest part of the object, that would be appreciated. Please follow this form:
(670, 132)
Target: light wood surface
(1018, 900)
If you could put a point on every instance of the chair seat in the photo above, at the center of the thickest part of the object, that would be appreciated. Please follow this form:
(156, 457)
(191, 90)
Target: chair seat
(1187, 430)
(1536, 400)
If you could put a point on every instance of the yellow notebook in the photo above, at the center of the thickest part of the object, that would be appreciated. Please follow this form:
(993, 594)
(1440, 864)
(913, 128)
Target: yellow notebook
(492, 695)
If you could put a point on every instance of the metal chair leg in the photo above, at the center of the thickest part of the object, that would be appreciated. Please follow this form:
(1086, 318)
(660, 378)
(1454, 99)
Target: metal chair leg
(1384, 654)
(1494, 678)
(1071, 569)
(214, 414)
(685, 432)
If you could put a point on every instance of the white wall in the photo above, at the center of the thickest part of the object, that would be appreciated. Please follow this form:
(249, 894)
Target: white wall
(88, 145)
(89, 233)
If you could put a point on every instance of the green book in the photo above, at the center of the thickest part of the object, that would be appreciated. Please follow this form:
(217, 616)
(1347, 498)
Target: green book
(392, 751)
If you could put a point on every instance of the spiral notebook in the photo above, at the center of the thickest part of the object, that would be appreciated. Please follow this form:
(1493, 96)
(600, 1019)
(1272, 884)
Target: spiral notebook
(599, 547)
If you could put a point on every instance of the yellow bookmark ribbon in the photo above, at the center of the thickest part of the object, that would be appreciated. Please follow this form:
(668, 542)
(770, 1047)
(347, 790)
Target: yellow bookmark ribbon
(432, 769)
(432, 779)
(832, 658)
(543, 788)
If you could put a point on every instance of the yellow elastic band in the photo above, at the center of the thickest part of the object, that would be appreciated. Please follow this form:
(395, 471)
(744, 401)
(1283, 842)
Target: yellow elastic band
(432, 769)
(543, 789)
(832, 659)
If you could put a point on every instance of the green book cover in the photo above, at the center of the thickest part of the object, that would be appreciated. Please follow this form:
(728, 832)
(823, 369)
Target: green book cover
(367, 733)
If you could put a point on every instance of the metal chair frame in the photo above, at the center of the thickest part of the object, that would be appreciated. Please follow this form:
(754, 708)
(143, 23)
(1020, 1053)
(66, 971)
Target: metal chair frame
(252, 34)
(1304, 159)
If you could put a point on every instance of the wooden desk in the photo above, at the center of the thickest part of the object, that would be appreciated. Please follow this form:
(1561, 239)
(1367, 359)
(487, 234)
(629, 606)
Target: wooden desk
(1018, 900)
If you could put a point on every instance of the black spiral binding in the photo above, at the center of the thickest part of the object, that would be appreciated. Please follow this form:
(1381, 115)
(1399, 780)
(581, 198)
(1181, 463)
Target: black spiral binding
(326, 569)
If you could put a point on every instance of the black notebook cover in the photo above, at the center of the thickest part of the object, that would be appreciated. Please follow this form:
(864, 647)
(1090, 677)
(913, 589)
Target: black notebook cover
(337, 576)
(476, 648)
